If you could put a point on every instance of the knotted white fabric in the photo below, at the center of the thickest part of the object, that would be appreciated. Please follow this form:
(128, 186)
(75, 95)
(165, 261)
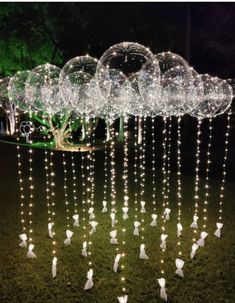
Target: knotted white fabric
(30, 253)
(84, 247)
(218, 230)
(91, 213)
(143, 254)
(125, 213)
(163, 294)
(154, 220)
(142, 210)
(50, 233)
(89, 284)
(179, 229)
(167, 213)
(194, 249)
(93, 226)
(123, 299)
(53, 269)
(179, 263)
(126, 198)
(113, 219)
(116, 262)
(136, 228)
(194, 224)
(76, 220)
(113, 235)
(163, 243)
(23, 238)
(201, 241)
(104, 209)
(69, 234)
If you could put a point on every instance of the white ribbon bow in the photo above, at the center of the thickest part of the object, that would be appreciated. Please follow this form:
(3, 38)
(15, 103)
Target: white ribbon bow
(50, 233)
(116, 262)
(126, 198)
(104, 209)
(163, 243)
(194, 249)
(218, 230)
(143, 254)
(113, 235)
(154, 220)
(194, 224)
(84, 247)
(123, 299)
(69, 234)
(136, 228)
(113, 220)
(76, 220)
(179, 265)
(89, 284)
(30, 253)
(91, 213)
(162, 283)
(142, 210)
(93, 226)
(179, 229)
(167, 213)
(23, 238)
(53, 269)
(201, 241)
(125, 213)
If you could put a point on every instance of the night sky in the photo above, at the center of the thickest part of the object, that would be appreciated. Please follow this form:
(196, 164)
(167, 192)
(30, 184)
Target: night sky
(33, 33)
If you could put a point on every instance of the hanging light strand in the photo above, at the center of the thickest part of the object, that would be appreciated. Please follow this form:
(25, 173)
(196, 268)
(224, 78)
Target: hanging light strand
(163, 229)
(208, 162)
(136, 181)
(179, 188)
(222, 187)
(197, 168)
(164, 144)
(66, 200)
(168, 159)
(21, 179)
(105, 170)
(31, 189)
(153, 164)
(142, 161)
(125, 193)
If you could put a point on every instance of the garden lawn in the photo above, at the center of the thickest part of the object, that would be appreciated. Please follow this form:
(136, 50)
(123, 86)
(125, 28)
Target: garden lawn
(209, 278)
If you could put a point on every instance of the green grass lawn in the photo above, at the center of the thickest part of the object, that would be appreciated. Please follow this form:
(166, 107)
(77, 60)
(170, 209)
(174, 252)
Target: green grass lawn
(209, 278)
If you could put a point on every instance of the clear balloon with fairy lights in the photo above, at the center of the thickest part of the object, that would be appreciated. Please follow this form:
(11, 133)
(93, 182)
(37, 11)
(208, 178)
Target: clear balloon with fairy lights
(78, 86)
(42, 89)
(16, 90)
(136, 63)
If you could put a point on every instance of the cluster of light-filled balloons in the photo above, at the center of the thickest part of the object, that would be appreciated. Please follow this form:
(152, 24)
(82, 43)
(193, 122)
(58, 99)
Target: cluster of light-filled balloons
(128, 79)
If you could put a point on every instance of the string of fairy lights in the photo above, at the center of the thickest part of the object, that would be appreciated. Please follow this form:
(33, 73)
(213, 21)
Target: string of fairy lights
(207, 187)
(136, 181)
(194, 225)
(153, 166)
(222, 186)
(142, 161)
(65, 186)
(168, 162)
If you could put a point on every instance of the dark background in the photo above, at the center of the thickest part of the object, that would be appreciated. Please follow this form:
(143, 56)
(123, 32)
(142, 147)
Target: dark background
(35, 33)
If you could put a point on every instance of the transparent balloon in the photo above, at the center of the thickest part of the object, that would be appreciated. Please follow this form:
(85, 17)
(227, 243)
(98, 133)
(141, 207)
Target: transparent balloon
(78, 86)
(210, 101)
(42, 89)
(16, 90)
(133, 61)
